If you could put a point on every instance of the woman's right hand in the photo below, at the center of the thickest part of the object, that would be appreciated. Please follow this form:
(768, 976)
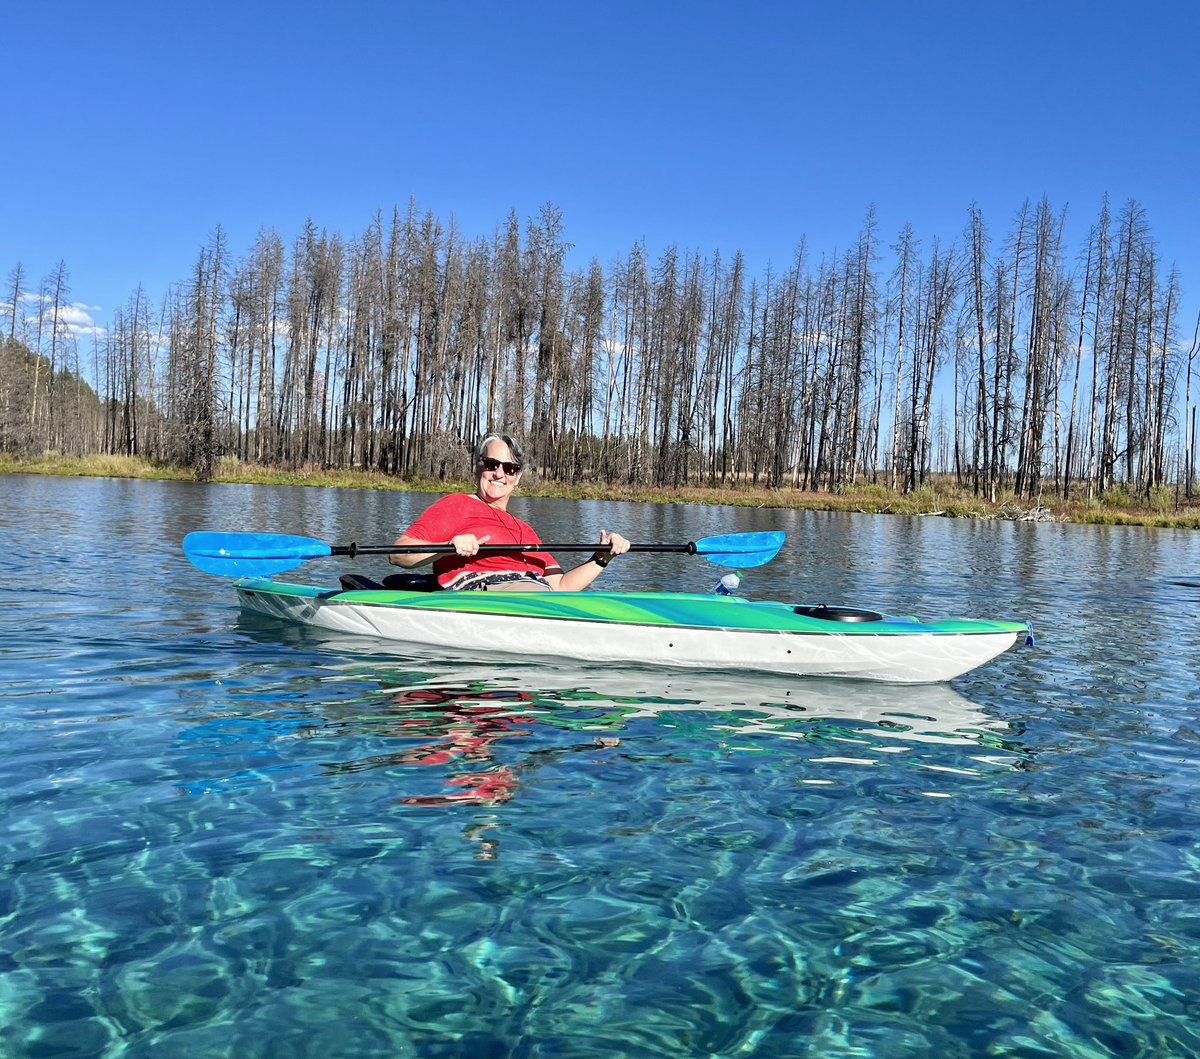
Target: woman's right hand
(467, 544)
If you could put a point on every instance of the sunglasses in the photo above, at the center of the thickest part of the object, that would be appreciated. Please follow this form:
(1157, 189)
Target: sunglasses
(491, 464)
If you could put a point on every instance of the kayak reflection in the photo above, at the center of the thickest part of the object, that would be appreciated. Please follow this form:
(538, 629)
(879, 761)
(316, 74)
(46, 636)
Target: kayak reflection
(474, 726)
(608, 700)
(447, 732)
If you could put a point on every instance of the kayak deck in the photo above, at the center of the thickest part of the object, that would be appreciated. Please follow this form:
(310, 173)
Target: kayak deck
(648, 628)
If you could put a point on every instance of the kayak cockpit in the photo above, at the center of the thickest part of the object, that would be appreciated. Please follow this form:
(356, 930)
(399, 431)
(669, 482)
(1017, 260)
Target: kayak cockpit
(393, 582)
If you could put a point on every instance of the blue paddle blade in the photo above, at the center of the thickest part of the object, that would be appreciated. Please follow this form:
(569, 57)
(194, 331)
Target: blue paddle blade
(250, 554)
(741, 550)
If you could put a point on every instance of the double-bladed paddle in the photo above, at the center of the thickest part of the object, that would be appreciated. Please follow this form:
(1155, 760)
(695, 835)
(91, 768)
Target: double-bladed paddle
(264, 554)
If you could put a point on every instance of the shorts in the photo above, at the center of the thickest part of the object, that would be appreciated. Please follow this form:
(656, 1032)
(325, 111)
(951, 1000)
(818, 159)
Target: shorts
(501, 581)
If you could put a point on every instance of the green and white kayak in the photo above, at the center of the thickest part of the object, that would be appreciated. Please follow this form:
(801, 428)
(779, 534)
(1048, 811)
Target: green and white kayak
(650, 629)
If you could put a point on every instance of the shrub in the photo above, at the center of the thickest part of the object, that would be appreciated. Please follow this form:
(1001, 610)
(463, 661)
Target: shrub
(1117, 497)
(925, 498)
(1162, 499)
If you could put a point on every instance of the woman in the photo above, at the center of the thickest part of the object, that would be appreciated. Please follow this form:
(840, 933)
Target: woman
(469, 520)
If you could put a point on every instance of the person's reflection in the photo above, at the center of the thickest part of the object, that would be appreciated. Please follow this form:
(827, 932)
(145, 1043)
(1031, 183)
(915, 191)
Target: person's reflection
(456, 729)
(465, 729)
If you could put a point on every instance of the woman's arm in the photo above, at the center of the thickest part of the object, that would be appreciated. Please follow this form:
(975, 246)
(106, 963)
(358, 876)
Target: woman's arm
(409, 560)
(583, 575)
(465, 544)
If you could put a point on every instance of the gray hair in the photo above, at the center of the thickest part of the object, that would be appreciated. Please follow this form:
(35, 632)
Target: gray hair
(514, 446)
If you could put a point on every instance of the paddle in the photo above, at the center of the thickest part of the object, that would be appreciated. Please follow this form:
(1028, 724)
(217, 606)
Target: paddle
(264, 554)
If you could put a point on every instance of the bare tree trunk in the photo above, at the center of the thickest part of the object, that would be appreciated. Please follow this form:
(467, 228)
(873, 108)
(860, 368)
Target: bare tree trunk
(984, 483)
(1102, 240)
(905, 249)
(16, 285)
(1189, 418)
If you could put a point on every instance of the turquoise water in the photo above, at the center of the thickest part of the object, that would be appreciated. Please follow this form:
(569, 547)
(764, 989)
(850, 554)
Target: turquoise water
(226, 837)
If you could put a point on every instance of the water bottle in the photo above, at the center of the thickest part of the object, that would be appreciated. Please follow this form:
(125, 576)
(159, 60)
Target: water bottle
(728, 585)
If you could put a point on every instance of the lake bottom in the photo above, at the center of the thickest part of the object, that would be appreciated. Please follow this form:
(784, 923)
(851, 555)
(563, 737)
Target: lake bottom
(299, 853)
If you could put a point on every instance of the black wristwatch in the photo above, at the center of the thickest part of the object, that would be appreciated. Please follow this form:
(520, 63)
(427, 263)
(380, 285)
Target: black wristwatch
(602, 560)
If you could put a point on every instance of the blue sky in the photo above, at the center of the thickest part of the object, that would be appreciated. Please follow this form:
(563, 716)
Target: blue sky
(134, 129)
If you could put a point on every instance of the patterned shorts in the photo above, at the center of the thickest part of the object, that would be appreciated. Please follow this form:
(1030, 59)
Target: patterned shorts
(508, 580)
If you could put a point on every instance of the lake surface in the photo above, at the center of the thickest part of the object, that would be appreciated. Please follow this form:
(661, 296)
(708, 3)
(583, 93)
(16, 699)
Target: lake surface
(220, 836)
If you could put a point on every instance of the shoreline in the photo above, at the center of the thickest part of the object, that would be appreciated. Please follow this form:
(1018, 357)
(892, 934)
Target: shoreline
(943, 499)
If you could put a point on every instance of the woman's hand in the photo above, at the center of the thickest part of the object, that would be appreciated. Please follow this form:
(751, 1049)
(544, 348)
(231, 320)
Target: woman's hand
(467, 544)
(617, 544)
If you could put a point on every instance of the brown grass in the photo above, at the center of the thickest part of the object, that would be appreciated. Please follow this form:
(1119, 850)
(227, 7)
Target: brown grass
(1165, 509)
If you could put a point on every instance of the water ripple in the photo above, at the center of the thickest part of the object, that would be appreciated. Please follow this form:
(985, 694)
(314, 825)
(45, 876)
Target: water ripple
(225, 837)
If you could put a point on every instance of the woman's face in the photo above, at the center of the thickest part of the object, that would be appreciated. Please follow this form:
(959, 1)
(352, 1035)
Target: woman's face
(498, 474)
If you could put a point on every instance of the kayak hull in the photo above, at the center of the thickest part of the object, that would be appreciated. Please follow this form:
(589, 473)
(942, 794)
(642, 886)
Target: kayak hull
(656, 629)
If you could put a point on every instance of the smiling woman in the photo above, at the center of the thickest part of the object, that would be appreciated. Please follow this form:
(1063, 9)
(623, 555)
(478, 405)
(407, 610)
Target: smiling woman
(467, 521)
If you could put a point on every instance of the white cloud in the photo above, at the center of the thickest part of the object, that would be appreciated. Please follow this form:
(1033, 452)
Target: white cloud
(76, 315)
(75, 318)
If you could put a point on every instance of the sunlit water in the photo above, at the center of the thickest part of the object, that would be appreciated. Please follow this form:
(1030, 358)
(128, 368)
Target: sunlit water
(225, 837)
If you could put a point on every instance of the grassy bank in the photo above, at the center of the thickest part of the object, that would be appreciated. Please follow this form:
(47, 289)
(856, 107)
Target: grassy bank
(945, 499)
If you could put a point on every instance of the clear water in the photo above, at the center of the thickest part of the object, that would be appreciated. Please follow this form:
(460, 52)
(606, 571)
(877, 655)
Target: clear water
(220, 836)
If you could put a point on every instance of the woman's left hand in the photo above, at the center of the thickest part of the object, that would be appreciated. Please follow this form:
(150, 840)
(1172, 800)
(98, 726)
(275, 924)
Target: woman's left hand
(617, 544)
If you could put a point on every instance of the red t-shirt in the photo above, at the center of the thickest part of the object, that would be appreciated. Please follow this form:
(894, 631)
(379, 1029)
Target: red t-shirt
(465, 513)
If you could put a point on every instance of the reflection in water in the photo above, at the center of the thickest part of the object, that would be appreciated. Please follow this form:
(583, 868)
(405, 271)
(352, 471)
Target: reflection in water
(453, 733)
(455, 729)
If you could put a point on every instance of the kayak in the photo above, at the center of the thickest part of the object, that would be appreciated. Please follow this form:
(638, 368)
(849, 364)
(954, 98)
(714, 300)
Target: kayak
(673, 630)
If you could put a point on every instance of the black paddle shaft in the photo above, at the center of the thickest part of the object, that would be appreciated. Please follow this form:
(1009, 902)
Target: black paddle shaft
(497, 549)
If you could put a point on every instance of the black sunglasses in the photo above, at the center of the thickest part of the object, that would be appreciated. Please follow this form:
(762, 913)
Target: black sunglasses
(491, 464)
